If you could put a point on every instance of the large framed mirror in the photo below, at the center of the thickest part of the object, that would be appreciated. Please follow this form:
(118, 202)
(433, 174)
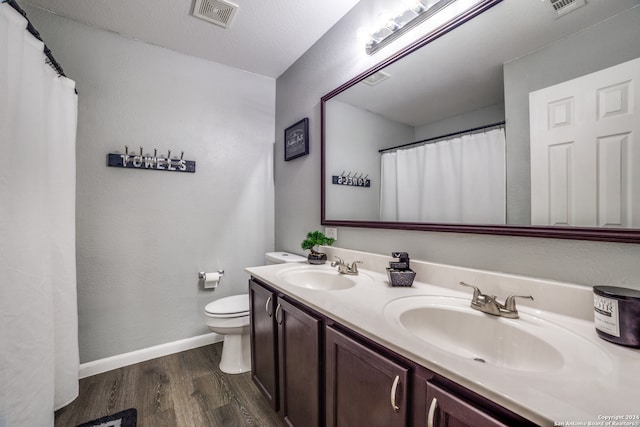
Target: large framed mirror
(478, 72)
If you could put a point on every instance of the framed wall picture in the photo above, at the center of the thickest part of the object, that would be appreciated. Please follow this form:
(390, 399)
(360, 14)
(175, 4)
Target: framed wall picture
(296, 140)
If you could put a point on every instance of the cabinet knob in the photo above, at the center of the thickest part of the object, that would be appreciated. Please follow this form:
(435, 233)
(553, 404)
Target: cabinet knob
(432, 412)
(394, 392)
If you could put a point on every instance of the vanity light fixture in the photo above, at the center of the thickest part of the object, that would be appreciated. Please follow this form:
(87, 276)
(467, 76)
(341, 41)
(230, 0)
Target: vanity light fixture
(417, 12)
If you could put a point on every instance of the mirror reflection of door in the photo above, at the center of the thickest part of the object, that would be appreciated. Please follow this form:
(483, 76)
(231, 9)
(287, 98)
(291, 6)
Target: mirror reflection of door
(585, 164)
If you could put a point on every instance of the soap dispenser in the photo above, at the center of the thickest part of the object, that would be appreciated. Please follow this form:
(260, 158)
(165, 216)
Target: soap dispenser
(399, 272)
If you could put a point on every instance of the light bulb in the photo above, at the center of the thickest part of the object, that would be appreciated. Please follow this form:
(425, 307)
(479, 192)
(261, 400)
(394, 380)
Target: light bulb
(391, 25)
(363, 35)
(416, 6)
(383, 17)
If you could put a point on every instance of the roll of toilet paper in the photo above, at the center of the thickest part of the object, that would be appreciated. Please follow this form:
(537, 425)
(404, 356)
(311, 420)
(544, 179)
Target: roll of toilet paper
(211, 280)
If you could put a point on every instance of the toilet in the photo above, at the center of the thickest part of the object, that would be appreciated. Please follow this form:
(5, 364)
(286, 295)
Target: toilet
(229, 316)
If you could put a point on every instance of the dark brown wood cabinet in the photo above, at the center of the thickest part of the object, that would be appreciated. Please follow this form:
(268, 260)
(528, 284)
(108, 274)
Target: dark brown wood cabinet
(363, 387)
(300, 371)
(286, 355)
(439, 402)
(316, 372)
(445, 409)
(264, 345)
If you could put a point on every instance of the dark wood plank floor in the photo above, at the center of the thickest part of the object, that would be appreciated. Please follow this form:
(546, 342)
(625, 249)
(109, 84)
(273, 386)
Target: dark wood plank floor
(183, 389)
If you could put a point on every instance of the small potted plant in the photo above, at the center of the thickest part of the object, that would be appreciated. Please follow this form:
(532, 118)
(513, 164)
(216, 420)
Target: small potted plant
(316, 238)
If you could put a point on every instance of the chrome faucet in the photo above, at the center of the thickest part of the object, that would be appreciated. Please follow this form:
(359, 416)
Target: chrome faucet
(490, 305)
(346, 268)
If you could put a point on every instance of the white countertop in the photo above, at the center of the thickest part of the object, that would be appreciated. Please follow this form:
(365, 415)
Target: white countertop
(588, 388)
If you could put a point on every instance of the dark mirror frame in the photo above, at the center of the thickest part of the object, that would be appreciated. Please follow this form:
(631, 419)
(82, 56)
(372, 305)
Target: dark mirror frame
(575, 233)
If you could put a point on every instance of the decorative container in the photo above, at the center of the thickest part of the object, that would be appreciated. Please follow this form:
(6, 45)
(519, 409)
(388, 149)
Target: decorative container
(317, 258)
(617, 314)
(401, 277)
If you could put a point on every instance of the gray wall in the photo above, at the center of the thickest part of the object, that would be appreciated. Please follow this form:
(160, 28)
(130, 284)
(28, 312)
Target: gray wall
(142, 236)
(363, 133)
(333, 60)
(614, 40)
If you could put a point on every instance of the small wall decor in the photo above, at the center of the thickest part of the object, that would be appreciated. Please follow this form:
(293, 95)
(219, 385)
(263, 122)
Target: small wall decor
(296, 140)
(352, 179)
(140, 161)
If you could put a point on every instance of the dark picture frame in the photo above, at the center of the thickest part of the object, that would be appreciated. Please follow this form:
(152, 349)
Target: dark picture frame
(296, 140)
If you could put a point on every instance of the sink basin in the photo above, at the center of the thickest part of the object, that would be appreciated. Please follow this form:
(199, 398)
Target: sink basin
(321, 278)
(525, 344)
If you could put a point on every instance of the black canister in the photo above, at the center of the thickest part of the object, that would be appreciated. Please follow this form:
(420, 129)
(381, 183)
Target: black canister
(617, 314)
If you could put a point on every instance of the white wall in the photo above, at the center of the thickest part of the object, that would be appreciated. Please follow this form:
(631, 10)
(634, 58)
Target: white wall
(467, 120)
(142, 236)
(335, 59)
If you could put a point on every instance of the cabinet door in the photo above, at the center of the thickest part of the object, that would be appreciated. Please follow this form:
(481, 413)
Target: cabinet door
(299, 342)
(264, 369)
(363, 387)
(447, 410)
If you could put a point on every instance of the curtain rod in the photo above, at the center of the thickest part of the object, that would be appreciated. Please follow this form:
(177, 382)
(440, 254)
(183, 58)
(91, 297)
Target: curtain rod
(50, 59)
(436, 138)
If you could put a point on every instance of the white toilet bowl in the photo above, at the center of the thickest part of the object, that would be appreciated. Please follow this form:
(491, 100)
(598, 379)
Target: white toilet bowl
(229, 316)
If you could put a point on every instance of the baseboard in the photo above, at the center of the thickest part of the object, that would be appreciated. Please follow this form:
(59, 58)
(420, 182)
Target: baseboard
(114, 362)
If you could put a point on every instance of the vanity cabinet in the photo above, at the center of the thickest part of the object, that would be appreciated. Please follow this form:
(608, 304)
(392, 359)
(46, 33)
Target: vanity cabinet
(285, 356)
(363, 386)
(317, 372)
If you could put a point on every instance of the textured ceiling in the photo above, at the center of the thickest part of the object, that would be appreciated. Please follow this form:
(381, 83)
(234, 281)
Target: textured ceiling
(265, 37)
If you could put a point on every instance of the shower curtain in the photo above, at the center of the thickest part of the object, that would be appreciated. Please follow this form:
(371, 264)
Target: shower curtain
(38, 309)
(459, 180)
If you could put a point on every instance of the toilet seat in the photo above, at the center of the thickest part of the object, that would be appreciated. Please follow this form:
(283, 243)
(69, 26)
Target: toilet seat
(228, 307)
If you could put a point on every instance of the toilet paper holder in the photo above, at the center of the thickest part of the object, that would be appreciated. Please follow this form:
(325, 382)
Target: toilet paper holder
(203, 275)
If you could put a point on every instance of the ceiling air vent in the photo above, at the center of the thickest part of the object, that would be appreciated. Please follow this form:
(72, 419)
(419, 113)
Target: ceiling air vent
(562, 7)
(376, 78)
(219, 12)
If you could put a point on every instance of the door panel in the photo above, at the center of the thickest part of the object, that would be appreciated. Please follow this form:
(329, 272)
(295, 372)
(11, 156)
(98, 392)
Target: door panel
(299, 342)
(264, 369)
(585, 162)
(447, 410)
(364, 388)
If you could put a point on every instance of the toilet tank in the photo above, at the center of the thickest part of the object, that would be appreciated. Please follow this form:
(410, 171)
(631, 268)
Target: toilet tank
(282, 257)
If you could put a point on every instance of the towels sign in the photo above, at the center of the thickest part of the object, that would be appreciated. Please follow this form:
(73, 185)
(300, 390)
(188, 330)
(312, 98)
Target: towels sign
(151, 163)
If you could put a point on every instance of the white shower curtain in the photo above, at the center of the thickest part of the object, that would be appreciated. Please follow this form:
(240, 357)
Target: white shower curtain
(459, 180)
(38, 309)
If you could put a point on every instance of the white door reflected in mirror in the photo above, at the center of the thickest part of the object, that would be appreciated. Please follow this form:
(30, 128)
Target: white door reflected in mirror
(585, 170)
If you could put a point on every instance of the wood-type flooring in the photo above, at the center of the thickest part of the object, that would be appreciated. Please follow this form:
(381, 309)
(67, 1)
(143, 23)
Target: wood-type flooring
(185, 389)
